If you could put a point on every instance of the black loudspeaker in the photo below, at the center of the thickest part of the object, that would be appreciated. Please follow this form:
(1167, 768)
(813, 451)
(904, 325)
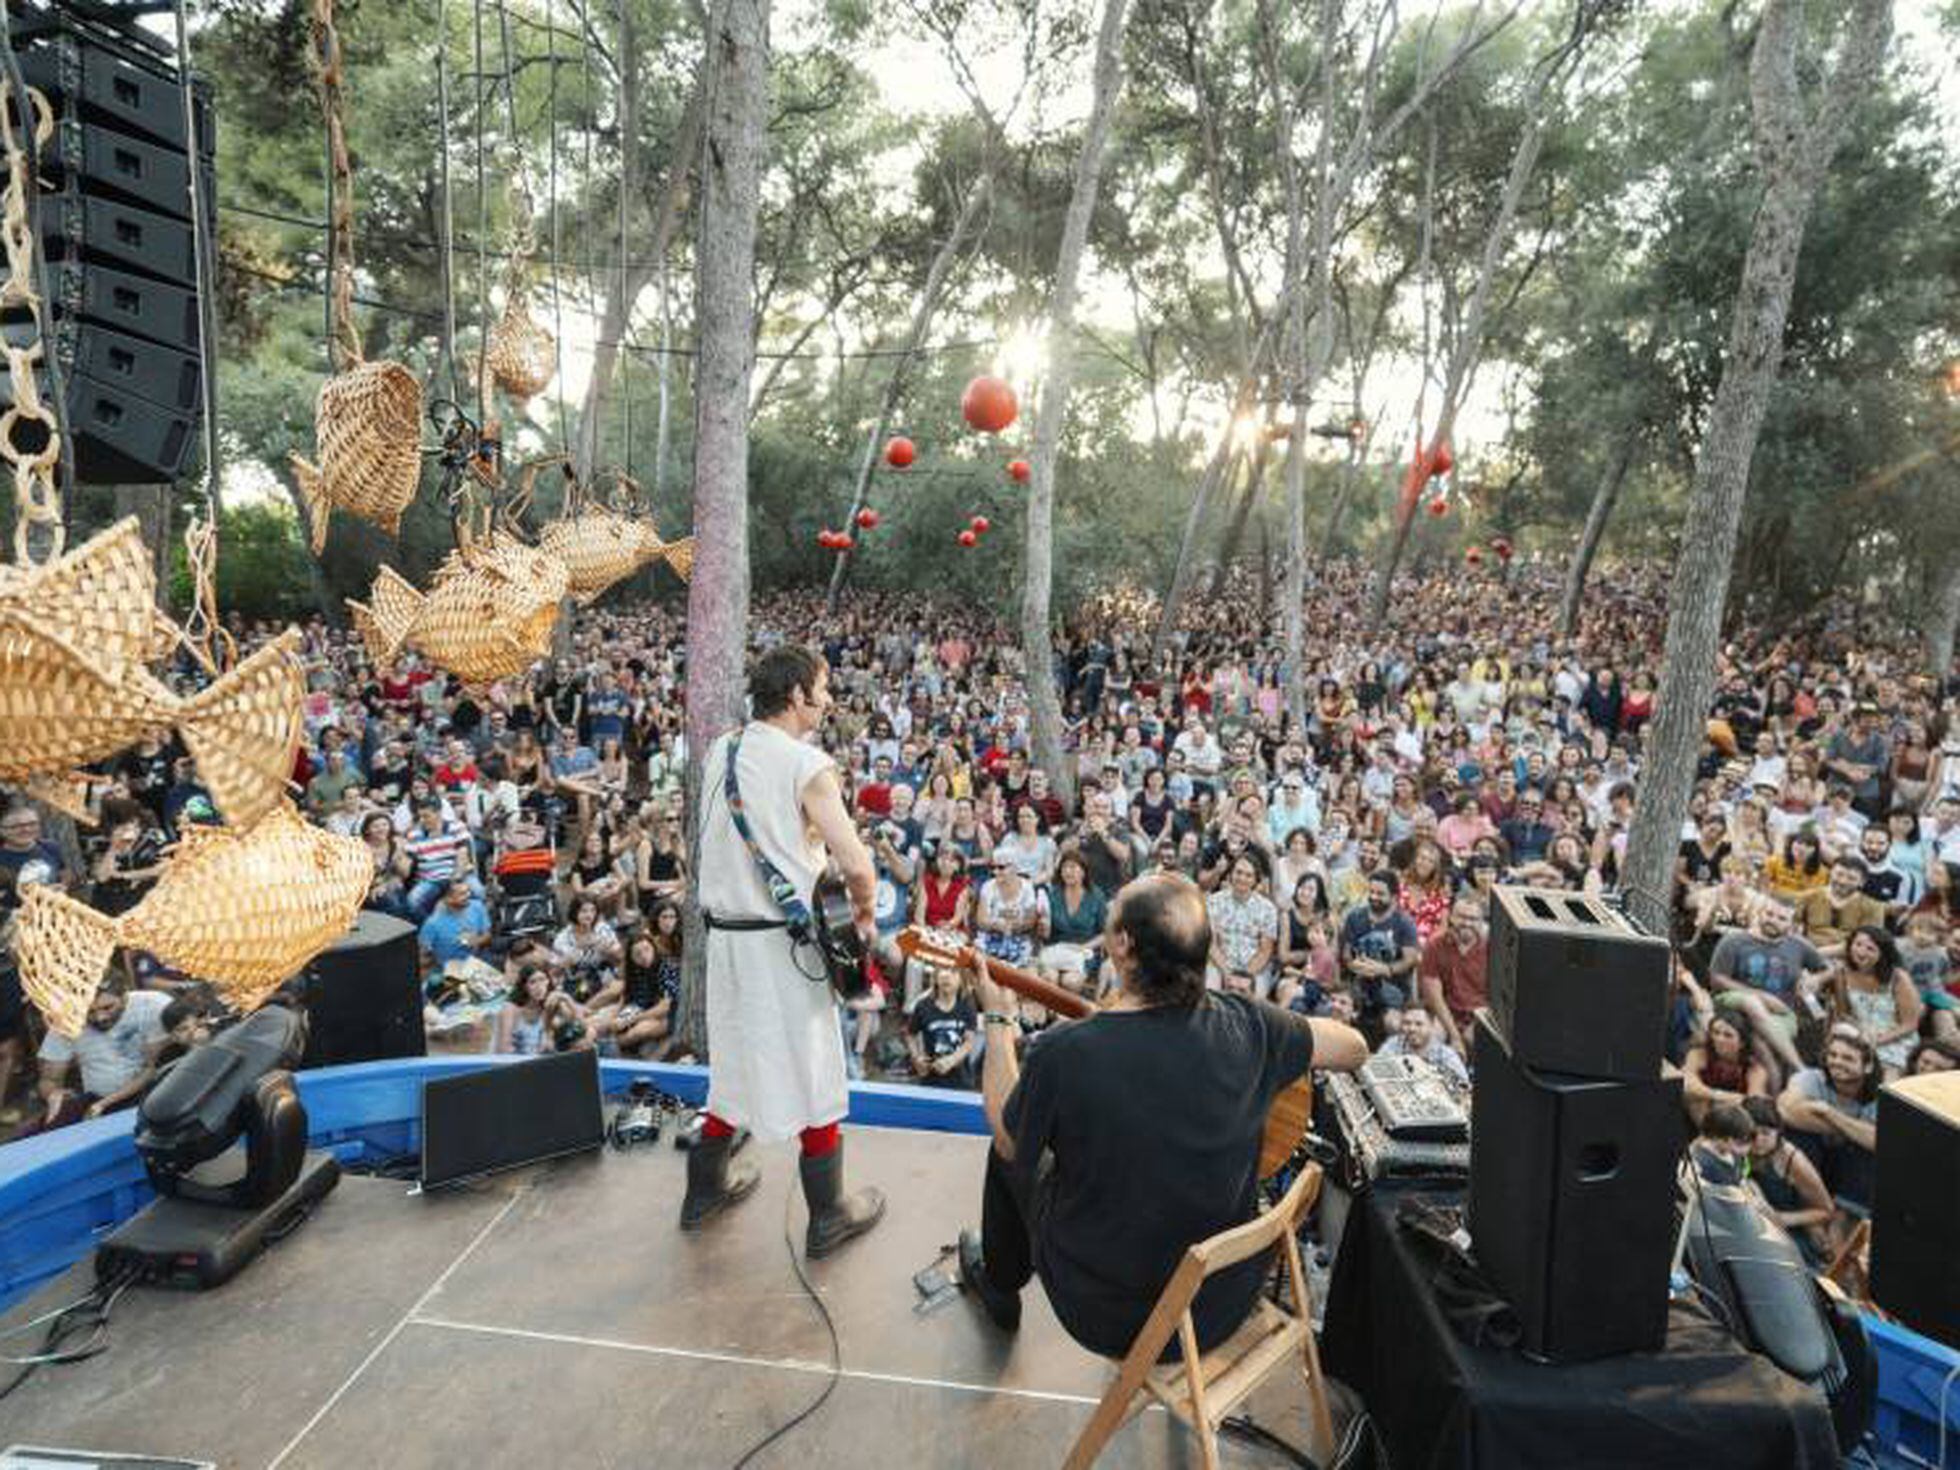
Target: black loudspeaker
(1916, 1201)
(509, 1114)
(1576, 988)
(125, 322)
(1572, 1201)
(364, 996)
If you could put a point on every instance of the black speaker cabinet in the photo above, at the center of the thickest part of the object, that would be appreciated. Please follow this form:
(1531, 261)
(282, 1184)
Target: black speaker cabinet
(1572, 1201)
(364, 995)
(510, 1113)
(1576, 988)
(115, 225)
(1916, 1201)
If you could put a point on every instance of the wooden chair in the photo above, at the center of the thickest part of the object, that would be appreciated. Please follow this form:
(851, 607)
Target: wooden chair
(1202, 1390)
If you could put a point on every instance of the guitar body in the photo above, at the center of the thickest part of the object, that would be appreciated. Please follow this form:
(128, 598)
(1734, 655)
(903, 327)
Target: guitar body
(1287, 1120)
(837, 940)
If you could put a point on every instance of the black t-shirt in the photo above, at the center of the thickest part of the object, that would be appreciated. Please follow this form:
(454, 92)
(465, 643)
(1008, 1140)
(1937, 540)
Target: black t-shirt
(1703, 867)
(942, 1030)
(1136, 1135)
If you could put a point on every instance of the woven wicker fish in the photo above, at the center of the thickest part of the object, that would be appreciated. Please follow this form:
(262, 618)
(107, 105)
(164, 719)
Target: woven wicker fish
(598, 547)
(488, 613)
(102, 597)
(61, 709)
(369, 429)
(680, 556)
(244, 911)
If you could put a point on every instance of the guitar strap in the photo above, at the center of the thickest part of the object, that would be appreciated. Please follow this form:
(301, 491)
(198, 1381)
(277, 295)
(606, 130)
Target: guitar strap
(796, 913)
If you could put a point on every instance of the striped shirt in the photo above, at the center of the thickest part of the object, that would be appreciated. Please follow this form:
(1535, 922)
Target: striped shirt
(437, 855)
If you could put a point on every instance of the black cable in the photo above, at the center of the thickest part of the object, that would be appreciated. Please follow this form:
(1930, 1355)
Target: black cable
(1241, 1426)
(836, 1348)
(90, 1314)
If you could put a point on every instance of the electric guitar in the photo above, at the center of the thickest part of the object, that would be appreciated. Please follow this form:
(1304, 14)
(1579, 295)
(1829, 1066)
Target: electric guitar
(1287, 1119)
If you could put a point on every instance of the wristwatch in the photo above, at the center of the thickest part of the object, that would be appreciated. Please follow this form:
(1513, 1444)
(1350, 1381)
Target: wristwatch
(997, 1018)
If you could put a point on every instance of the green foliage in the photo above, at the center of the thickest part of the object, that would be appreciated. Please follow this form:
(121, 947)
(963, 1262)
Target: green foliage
(1608, 329)
(261, 565)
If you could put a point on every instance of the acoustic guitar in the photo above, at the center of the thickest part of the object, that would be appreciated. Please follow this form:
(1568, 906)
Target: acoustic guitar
(1287, 1118)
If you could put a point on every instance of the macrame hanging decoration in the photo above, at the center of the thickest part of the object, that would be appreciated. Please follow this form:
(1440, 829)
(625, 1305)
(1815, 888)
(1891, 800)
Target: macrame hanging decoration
(368, 423)
(523, 355)
(243, 911)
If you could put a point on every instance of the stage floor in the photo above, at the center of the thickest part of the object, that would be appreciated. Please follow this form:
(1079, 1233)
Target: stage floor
(557, 1316)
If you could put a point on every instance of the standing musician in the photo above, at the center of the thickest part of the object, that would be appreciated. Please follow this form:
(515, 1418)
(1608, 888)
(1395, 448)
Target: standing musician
(1133, 1134)
(777, 1050)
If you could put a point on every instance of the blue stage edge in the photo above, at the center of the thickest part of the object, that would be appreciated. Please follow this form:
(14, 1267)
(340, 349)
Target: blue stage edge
(61, 1193)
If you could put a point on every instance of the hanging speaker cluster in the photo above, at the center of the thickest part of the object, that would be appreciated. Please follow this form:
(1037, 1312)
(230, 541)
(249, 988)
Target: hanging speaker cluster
(124, 320)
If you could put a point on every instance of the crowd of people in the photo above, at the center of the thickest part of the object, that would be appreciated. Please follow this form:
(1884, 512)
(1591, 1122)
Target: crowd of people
(533, 832)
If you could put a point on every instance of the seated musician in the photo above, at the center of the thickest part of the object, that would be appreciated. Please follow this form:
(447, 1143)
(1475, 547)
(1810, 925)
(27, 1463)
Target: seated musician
(1134, 1133)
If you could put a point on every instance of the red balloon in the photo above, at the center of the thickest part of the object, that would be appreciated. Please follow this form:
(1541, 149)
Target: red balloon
(969, 538)
(825, 537)
(1018, 471)
(989, 404)
(980, 525)
(1502, 547)
(1475, 556)
(1442, 461)
(1439, 507)
(868, 518)
(842, 541)
(900, 452)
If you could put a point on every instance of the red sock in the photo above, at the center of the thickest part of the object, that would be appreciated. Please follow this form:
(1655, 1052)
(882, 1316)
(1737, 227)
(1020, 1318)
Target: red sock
(817, 1142)
(713, 1127)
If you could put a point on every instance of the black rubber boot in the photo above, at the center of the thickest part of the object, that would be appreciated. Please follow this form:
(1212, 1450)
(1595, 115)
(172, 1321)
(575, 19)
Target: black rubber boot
(835, 1217)
(713, 1183)
(1003, 1307)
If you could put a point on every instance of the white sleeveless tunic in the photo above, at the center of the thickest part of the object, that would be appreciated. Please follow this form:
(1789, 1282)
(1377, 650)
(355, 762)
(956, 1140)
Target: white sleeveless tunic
(776, 1052)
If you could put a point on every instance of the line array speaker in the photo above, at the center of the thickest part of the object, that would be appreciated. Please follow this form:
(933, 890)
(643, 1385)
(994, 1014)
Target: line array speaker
(115, 223)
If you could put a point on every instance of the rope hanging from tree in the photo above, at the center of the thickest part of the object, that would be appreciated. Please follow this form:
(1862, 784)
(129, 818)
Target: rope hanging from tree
(368, 423)
(39, 534)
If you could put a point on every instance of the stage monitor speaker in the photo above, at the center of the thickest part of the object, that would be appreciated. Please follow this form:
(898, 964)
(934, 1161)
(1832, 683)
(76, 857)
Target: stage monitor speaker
(1572, 1201)
(1915, 1202)
(510, 1113)
(364, 995)
(1576, 988)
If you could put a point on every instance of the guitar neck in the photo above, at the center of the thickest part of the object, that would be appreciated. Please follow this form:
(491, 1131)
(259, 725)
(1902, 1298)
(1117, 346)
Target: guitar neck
(935, 947)
(1044, 992)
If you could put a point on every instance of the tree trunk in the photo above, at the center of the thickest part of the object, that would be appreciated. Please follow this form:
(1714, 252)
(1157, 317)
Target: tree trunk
(1603, 501)
(1228, 546)
(1217, 472)
(928, 302)
(1945, 621)
(1350, 477)
(737, 78)
(150, 504)
(639, 264)
(1037, 636)
(1794, 152)
(1467, 349)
